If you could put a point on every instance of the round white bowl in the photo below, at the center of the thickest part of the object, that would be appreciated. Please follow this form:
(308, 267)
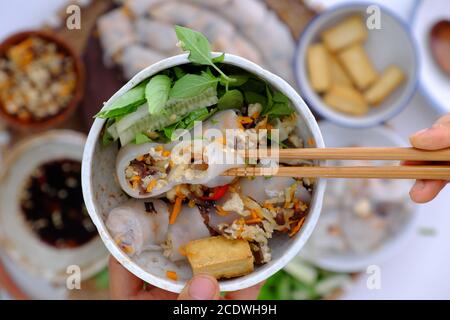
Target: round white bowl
(392, 44)
(434, 83)
(102, 192)
(380, 136)
(17, 238)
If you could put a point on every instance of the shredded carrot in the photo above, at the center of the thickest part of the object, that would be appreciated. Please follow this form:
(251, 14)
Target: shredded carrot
(176, 210)
(150, 186)
(310, 142)
(135, 178)
(297, 227)
(256, 115)
(172, 275)
(269, 206)
(166, 153)
(159, 148)
(245, 120)
(140, 158)
(253, 221)
(221, 212)
(134, 184)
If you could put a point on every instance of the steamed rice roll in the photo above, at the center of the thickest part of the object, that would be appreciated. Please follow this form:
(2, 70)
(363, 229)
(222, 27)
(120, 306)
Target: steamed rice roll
(138, 225)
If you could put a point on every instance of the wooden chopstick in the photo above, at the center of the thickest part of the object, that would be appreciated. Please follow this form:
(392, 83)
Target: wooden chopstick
(382, 172)
(355, 153)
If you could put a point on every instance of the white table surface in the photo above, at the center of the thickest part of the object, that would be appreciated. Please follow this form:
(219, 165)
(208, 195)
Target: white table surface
(420, 271)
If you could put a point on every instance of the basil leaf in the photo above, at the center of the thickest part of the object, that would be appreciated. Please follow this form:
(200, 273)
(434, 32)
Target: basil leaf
(179, 73)
(232, 99)
(197, 115)
(279, 110)
(196, 43)
(198, 47)
(192, 85)
(157, 93)
(254, 85)
(141, 138)
(126, 103)
(219, 59)
(253, 97)
(238, 80)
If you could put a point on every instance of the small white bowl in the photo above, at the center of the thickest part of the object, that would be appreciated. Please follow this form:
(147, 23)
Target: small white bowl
(102, 192)
(380, 136)
(17, 238)
(392, 44)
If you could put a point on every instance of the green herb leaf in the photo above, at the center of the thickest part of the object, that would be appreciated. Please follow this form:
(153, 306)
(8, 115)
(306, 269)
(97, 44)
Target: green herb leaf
(107, 138)
(219, 59)
(192, 85)
(126, 103)
(238, 80)
(157, 93)
(198, 46)
(278, 105)
(179, 73)
(253, 97)
(141, 138)
(232, 99)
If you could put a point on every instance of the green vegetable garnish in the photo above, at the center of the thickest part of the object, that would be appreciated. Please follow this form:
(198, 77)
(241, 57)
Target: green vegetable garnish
(141, 138)
(126, 103)
(232, 99)
(192, 85)
(157, 93)
(199, 48)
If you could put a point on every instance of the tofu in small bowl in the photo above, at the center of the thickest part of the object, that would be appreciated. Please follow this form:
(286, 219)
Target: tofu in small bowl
(356, 65)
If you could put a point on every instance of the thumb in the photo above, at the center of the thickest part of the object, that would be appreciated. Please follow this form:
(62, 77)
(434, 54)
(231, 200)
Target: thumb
(434, 138)
(201, 287)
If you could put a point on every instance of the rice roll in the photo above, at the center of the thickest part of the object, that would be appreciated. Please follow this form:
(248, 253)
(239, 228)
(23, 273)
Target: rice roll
(156, 34)
(137, 57)
(116, 33)
(151, 169)
(139, 225)
(140, 7)
(189, 226)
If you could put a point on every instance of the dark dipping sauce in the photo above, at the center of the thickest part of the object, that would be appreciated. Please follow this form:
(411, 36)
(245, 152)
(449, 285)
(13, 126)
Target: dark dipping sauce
(52, 203)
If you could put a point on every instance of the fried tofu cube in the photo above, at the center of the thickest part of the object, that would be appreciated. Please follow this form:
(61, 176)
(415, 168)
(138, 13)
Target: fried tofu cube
(347, 100)
(337, 73)
(318, 67)
(220, 257)
(358, 65)
(344, 34)
(388, 81)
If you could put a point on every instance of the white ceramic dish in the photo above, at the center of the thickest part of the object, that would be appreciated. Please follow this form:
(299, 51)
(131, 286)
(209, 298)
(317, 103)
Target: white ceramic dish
(434, 83)
(392, 44)
(102, 192)
(380, 136)
(16, 237)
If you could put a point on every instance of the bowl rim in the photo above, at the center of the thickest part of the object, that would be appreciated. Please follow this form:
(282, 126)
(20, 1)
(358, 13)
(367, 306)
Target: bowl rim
(348, 121)
(388, 248)
(225, 285)
(65, 113)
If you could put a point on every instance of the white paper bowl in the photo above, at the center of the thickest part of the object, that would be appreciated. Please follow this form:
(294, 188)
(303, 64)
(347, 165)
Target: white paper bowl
(102, 192)
(392, 44)
(380, 136)
(18, 240)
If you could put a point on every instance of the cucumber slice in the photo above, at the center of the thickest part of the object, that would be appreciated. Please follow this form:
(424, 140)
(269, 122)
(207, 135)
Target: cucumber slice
(112, 130)
(140, 121)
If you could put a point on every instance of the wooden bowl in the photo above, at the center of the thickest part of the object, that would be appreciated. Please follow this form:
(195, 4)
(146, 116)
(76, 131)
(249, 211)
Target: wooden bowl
(55, 120)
